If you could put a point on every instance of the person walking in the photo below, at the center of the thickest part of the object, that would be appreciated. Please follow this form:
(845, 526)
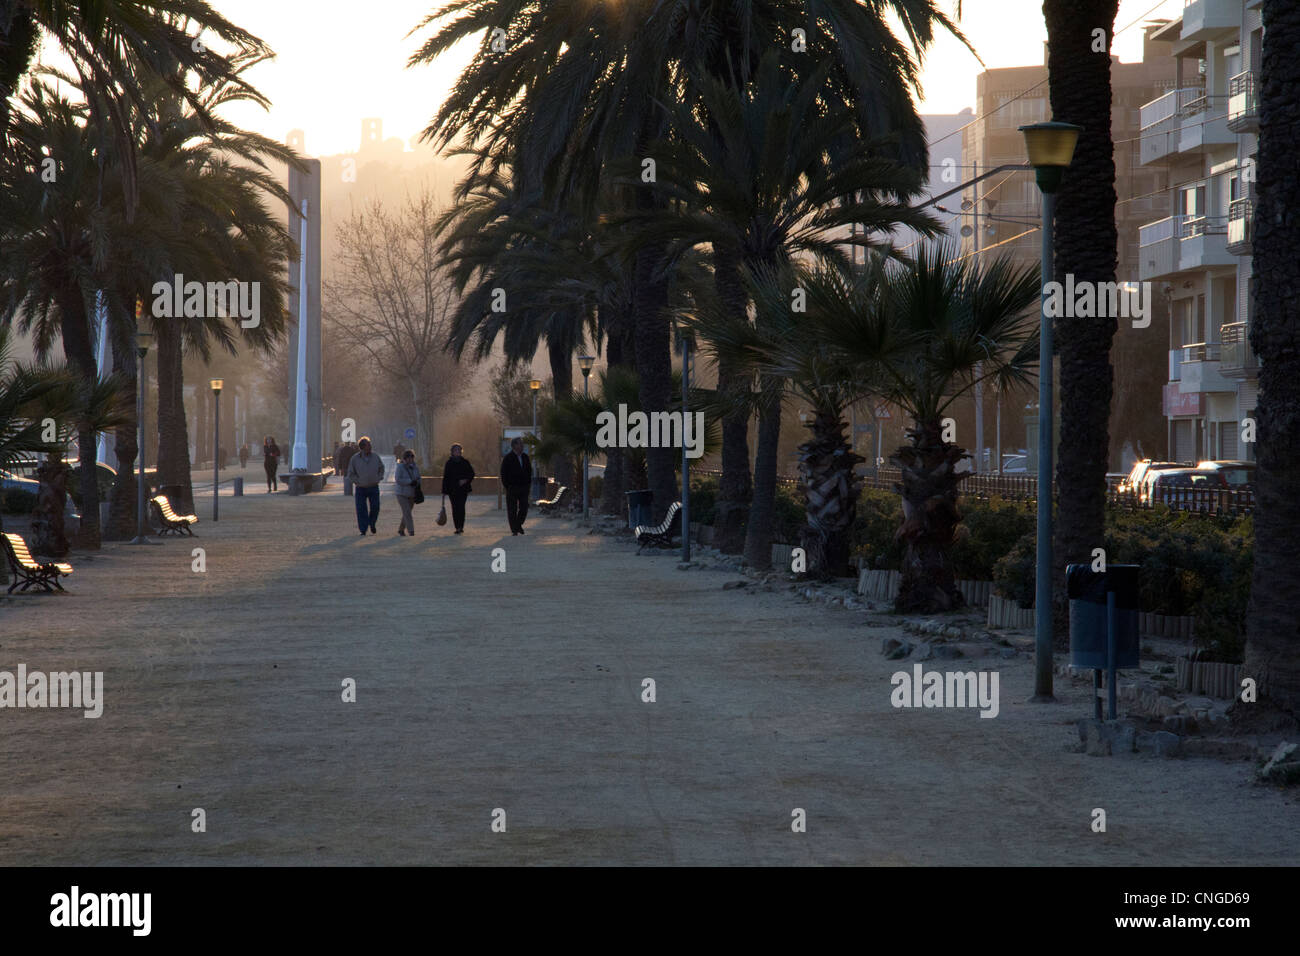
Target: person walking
(243, 456)
(271, 462)
(457, 474)
(517, 477)
(407, 479)
(365, 472)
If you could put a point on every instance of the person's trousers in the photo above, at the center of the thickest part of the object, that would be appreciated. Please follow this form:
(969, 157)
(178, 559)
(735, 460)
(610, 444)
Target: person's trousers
(367, 500)
(271, 480)
(517, 506)
(458, 509)
(407, 522)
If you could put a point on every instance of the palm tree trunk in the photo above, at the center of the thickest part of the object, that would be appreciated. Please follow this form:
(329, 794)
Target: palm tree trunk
(618, 353)
(930, 517)
(831, 490)
(80, 354)
(1079, 81)
(736, 489)
(654, 366)
(561, 360)
(762, 511)
(173, 434)
(1272, 640)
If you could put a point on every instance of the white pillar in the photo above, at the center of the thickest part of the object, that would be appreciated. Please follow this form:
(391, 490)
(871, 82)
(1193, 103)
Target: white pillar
(300, 405)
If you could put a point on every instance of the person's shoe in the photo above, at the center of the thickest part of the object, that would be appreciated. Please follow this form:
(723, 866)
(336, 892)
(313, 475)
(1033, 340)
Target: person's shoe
(401, 532)
(521, 530)
(372, 530)
(514, 532)
(363, 534)
(460, 530)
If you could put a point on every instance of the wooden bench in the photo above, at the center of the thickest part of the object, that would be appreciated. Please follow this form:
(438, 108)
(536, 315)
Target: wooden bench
(546, 506)
(28, 571)
(171, 521)
(661, 535)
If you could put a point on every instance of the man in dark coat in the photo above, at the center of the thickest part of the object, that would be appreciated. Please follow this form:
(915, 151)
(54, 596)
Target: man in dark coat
(457, 474)
(517, 477)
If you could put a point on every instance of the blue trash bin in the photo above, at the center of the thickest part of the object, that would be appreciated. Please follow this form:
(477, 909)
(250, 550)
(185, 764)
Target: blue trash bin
(640, 508)
(1088, 590)
(239, 486)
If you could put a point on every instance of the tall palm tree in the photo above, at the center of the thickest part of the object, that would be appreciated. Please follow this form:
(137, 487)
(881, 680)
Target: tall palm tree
(764, 179)
(924, 333)
(1079, 83)
(577, 83)
(113, 45)
(1272, 639)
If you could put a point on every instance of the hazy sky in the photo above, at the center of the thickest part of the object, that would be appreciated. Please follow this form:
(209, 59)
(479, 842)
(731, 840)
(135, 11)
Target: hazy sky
(341, 60)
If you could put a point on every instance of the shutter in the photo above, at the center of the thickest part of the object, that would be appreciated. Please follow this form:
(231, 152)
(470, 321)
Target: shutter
(1184, 440)
(1228, 441)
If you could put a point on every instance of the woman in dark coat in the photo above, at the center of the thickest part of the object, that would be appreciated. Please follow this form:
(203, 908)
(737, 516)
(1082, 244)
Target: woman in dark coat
(271, 462)
(457, 474)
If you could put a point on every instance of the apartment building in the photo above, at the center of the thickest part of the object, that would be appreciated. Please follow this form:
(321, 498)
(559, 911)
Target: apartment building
(1203, 132)
(1003, 212)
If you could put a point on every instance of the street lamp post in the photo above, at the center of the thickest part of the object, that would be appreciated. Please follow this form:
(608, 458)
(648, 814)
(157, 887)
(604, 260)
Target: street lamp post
(535, 385)
(142, 340)
(585, 362)
(216, 384)
(686, 464)
(1051, 147)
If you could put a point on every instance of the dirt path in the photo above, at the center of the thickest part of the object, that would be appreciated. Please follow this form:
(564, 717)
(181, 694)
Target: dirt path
(522, 691)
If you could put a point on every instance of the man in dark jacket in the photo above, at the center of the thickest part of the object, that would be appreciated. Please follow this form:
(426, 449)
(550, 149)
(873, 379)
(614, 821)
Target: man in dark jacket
(517, 477)
(457, 474)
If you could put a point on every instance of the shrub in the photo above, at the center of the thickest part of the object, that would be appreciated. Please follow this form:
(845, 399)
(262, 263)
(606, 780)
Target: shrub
(704, 497)
(880, 513)
(1013, 573)
(989, 530)
(789, 516)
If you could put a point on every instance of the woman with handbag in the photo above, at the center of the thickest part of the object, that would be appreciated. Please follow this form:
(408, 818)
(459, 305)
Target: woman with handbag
(457, 474)
(409, 493)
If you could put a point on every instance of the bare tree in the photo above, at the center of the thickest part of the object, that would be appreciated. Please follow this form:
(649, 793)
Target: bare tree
(392, 301)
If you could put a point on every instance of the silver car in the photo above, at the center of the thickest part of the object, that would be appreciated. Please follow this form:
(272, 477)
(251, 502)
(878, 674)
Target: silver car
(11, 482)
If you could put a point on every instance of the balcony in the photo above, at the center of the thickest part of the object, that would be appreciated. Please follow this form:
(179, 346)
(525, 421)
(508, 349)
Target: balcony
(1237, 357)
(1243, 103)
(1184, 120)
(1241, 226)
(1199, 369)
(1204, 19)
(1182, 244)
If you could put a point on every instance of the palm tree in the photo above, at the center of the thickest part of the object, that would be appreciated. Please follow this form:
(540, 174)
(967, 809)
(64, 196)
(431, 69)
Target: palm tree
(764, 179)
(924, 333)
(792, 348)
(573, 85)
(1272, 644)
(1079, 81)
(113, 46)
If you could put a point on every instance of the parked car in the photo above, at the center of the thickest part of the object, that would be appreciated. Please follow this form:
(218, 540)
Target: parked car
(1240, 475)
(1015, 464)
(1137, 480)
(11, 482)
(1171, 486)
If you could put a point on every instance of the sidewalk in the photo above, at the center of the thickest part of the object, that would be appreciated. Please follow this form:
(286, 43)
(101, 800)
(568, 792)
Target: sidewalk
(522, 690)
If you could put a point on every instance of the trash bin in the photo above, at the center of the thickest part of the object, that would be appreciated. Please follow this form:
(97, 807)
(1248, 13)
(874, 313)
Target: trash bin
(1087, 590)
(239, 486)
(640, 508)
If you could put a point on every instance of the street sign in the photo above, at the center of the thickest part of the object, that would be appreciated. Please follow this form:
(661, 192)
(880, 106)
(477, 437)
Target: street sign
(410, 434)
(883, 412)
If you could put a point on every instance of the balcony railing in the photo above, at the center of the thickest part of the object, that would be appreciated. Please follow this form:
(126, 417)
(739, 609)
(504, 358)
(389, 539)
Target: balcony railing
(1243, 103)
(1201, 352)
(1241, 225)
(1193, 226)
(1176, 102)
(1238, 356)
(1158, 231)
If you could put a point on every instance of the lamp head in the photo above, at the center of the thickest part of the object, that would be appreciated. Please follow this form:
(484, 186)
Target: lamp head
(1050, 147)
(585, 362)
(143, 339)
(216, 384)
(535, 384)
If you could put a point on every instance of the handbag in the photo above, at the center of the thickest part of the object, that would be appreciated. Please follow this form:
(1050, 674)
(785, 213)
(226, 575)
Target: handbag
(442, 515)
(419, 490)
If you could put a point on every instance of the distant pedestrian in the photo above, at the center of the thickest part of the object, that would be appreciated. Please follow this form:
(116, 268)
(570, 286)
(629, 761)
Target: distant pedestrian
(365, 472)
(407, 479)
(243, 456)
(338, 456)
(271, 462)
(221, 459)
(517, 477)
(457, 474)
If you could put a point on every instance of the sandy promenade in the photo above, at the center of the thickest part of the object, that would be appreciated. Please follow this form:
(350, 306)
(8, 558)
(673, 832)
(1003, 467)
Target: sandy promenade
(522, 690)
